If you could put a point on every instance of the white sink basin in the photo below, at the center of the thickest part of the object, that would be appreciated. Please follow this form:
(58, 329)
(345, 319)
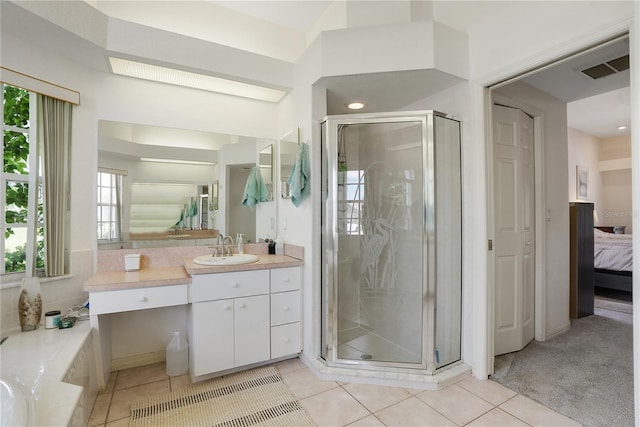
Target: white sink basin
(235, 259)
(179, 236)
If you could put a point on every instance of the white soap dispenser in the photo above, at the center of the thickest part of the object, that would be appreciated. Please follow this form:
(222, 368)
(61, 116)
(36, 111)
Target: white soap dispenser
(279, 246)
(240, 242)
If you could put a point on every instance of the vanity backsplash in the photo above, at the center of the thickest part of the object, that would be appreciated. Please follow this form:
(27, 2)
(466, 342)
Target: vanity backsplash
(113, 259)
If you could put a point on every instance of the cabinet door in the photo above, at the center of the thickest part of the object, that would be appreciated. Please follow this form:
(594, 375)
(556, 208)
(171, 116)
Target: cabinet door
(212, 336)
(252, 330)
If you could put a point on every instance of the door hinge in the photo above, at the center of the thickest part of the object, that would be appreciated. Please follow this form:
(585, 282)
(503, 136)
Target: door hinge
(490, 245)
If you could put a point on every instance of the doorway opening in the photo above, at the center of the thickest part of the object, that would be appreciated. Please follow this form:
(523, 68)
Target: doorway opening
(538, 94)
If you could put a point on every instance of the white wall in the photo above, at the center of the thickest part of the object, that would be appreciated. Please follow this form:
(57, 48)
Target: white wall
(108, 97)
(505, 39)
(584, 150)
(616, 199)
(616, 194)
(609, 164)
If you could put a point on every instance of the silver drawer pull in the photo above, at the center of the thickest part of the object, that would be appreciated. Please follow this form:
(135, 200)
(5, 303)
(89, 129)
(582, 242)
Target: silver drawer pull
(227, 307)
(286, 280)
(287, 340)
(142, 298)
(287, 308)
(235, 284)
(243, 305)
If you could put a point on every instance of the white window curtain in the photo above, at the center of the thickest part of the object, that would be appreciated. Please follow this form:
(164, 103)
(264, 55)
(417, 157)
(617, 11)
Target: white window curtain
(54, 136)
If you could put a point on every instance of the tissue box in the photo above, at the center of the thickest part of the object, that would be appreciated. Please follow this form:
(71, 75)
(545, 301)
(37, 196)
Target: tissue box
(132, 262)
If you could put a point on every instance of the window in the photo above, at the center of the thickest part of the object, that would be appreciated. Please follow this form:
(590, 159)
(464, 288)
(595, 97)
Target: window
(109, 207)
(22, 223)
(351, 198)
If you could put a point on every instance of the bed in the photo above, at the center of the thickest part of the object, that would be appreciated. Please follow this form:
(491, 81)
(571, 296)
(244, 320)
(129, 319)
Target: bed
(612, 256)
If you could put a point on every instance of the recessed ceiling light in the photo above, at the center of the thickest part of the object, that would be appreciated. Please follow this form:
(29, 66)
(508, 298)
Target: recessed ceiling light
(193, 80)
(355, 105)
(622, 127)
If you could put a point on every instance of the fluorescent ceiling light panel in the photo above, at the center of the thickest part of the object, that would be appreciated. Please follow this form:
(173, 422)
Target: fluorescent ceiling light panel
(193, 80)
(182, 162)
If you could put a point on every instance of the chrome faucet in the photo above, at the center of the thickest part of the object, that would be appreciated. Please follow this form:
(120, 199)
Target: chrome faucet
(220, 250)
(229, 241)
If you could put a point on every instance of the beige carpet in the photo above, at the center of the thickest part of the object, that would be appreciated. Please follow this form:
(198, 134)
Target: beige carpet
(257, 397)
(585, 373)
(613, 304)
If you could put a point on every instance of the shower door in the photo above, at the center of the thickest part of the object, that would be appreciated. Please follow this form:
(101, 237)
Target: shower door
(379, 237)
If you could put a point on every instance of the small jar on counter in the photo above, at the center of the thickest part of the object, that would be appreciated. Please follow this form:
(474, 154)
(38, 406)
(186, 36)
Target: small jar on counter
(52, 319)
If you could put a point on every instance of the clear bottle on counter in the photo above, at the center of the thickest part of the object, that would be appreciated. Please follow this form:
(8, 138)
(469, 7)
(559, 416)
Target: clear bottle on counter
(240, 242)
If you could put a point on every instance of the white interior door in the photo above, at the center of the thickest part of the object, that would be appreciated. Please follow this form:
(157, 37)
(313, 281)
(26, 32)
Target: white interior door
(514, 219)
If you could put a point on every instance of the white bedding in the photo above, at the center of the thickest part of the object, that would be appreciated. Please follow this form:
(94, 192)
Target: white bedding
(612, 251)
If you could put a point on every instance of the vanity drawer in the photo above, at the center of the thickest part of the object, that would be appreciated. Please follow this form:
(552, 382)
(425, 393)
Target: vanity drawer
(285, 279)
(285, 340)
(137, 299)
(285, 308)
(207, 287)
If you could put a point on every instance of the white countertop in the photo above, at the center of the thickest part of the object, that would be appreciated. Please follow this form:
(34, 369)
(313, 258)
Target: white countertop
(39, 361)
(175, 275)
(264, 262)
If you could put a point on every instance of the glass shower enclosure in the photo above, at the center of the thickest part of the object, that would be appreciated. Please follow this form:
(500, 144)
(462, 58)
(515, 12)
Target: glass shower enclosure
(391, 241)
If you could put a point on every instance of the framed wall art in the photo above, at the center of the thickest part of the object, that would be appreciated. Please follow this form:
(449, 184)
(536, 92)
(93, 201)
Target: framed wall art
(582, 182)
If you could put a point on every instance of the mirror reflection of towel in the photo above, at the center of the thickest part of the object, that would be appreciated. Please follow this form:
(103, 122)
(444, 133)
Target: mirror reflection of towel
(255, 191)
(300, 177)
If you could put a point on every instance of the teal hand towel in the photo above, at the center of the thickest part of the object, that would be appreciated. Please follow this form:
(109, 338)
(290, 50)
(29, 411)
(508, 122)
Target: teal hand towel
(255, 191)
(300, 177)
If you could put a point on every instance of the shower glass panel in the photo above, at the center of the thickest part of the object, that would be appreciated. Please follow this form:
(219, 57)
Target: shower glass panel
(380, 186)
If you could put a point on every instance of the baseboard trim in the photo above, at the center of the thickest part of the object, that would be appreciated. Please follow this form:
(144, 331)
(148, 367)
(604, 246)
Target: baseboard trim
(560, 331)
(137, 360)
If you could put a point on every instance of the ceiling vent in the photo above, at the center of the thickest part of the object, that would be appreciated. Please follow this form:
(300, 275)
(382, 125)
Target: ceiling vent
(607, 68)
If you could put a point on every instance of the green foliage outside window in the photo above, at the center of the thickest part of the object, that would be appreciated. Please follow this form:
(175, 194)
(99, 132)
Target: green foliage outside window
(16, 161)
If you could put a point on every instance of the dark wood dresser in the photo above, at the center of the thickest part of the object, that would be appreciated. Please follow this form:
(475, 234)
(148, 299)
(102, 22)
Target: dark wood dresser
(581, 259)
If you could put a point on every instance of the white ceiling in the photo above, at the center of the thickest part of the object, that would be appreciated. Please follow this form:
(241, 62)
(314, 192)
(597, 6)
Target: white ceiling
(298, 15)
(600, 115)
(594, 107)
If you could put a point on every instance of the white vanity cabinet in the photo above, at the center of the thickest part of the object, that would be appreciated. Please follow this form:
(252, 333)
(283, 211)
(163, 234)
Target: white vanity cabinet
(286, 330)
(229, 321)
(243, 318)
(228, 333)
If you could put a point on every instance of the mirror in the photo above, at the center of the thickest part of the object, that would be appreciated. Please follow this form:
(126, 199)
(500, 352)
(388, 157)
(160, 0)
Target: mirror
(265, 162)
(173, 183)
(213, 196)
(288, 150)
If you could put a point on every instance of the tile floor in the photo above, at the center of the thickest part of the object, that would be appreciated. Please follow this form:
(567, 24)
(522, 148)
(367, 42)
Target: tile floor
(469, 402)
